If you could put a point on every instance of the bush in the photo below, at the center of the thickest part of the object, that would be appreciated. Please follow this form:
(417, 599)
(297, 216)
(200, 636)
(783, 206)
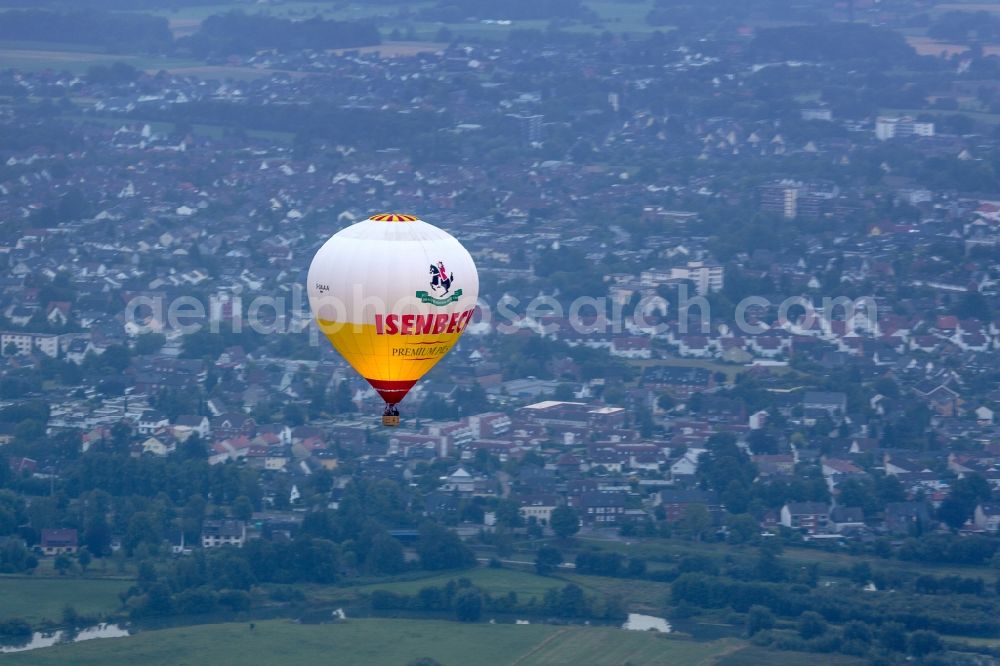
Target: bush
(923, 643)
(235, 600)
(857, 631)
(469, 605)
(195, 601)
(892, 636)
(811, 625)
(546, 559)
(15, 627)
(287, 593)
(759, 618)
(385, 600)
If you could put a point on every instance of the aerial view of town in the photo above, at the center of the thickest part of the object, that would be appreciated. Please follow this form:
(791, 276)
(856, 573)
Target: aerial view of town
(729, 392)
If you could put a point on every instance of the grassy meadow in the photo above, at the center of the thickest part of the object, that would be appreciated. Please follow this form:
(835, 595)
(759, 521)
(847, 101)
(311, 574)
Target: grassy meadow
(385, 642)
(37, 599)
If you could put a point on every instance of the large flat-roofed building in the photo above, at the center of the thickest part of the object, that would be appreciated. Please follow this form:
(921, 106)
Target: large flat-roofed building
(895, 127)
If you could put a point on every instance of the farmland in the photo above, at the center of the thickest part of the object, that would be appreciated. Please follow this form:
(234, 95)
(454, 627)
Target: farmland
(37, 599)
(383, 641)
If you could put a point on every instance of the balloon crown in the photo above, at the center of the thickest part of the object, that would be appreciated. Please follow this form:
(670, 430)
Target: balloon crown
(393, 217)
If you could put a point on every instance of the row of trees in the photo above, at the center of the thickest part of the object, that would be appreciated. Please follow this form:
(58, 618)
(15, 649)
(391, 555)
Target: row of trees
(117, 32)
(812, 633)
(220, 35)
(468, 602)
(962, 615)
(237, 32)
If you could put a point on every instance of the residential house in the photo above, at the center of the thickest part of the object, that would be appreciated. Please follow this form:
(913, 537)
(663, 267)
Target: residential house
(58, 541)
(538, 506)
(227, 532)
(907, 517)
(675, 502)
(847, 519)
(187, 424)
(687, 465)
(987, 517)
(152, 421)
(600, 508)
(810, 517)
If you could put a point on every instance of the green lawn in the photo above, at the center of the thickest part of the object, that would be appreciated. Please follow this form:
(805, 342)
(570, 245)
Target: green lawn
(382, 642)
(34, 56)
(36, 599)
(638, 595)
(627, 17)
(201, 129)
(758, 656)
(613, 15)
(653, 549)
(643, 596)
(497, 582)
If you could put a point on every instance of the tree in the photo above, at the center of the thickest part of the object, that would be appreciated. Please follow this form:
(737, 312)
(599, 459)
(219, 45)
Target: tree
(572, 602)
(63, 564)
(696, 521)
(440, 548)
(469, 605)
(242, 508)
(546, 559)
(759, 618)
(861, 573)
(857, 631)
(761, 442)
(742, 528)
(924, 642)
(385, 556)
(158, 600)
(565, 522)
(769, 566)
(965, 494)
(892, 636)
(811, 624)
(70, 616)
(84, 558)
(508, 513)
(141, 529)
(149, 343)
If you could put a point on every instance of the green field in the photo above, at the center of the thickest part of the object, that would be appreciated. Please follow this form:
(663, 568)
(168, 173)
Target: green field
(613, 15)
(671, 549)
(75, 58)
(36, 599)
(495, 581)
(758, 656)
(383, 642)
(198, 129)
(644, 596)
(639, 595)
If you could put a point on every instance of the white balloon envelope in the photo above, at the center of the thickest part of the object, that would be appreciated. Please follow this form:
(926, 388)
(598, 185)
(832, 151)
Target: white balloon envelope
(392, 294)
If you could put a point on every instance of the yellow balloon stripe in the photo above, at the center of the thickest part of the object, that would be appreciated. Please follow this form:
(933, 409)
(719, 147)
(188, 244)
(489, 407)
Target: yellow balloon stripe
(387, 357)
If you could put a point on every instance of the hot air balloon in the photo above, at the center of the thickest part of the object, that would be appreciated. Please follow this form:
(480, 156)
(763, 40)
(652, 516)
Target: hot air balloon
(392, 294)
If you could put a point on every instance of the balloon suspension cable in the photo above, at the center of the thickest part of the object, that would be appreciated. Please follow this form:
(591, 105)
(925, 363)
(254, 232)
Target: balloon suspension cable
(390, 410)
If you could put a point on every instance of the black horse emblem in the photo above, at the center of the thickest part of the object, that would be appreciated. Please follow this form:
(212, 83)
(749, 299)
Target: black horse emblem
(440, 277)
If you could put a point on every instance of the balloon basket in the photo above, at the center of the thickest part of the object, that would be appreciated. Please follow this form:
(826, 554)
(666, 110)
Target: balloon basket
(390, 420)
